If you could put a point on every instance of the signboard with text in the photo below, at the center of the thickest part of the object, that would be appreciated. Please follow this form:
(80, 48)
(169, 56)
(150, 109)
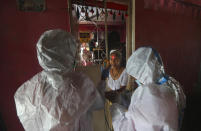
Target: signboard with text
(84, 37)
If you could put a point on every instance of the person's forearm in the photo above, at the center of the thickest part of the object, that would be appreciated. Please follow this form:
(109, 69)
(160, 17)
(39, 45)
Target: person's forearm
(121, 89)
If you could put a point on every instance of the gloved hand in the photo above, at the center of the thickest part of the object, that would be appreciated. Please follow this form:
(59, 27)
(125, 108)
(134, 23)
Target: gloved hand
(105, 74)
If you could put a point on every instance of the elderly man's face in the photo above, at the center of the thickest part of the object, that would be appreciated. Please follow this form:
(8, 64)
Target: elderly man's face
(114, 61)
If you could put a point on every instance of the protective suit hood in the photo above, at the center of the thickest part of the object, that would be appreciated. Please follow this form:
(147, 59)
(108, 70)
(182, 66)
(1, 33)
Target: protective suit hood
(56, 99)
(145, 65)
(56, 51)
(155, 105)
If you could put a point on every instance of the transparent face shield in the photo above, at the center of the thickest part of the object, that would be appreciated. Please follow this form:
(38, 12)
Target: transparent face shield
(77, 57)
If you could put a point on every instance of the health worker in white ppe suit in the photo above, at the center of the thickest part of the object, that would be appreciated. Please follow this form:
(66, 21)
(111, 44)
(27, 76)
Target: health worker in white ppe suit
(157, 104)
(56, 99)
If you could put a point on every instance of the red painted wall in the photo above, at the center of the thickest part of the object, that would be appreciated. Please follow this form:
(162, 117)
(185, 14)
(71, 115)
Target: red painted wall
(176, 37)
(19, 32)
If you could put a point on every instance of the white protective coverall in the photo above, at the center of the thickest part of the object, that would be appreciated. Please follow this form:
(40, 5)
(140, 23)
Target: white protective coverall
(56, 99)
(156, 104)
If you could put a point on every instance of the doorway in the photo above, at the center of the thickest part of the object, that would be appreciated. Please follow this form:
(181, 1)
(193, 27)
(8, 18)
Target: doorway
(99, 27)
